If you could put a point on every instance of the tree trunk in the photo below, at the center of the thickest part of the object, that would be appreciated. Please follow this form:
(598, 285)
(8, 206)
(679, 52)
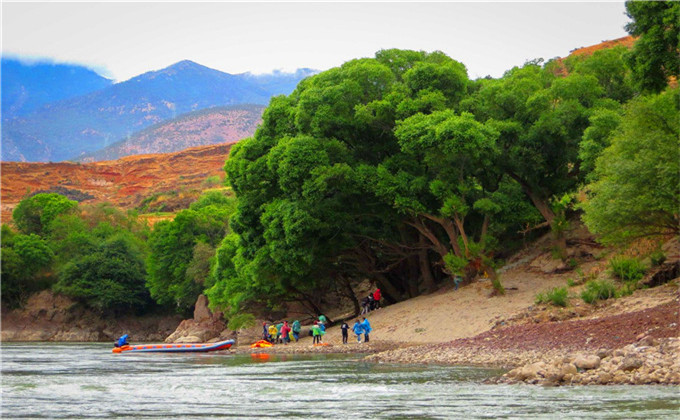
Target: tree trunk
(437, 246)
(349, 292)
(548, 214)
(461, 229)
(428, 280)
(450, 230)
(485, 227)
(389, 292)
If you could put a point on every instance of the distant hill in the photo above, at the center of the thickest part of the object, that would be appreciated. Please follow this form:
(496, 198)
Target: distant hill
(84, 124)
(126, 183)
(198, 128)
(28, 86)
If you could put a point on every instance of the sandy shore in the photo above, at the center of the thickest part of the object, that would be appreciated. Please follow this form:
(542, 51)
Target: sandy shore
(608, 346)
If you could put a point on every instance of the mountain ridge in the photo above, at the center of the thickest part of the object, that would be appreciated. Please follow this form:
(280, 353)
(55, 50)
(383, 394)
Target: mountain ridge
(83, 124)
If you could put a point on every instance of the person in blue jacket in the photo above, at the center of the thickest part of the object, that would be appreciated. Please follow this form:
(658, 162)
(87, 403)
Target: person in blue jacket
(122, 341)
(367, 328)
(358, 329)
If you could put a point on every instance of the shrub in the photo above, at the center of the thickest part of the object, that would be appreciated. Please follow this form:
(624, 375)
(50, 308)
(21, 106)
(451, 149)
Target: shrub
(540, 298)
(212, 181)
(571, 282)
(627, 269)
(497, 285)
(657, 257)
(239, 321)
(557, 296)
(598, 290)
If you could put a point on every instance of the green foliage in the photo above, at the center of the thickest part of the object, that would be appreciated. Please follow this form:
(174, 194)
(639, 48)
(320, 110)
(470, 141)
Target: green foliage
(557, 296)
(455, 264)
(497, 285)
(596, 138)
(657, 257)
(110, 279)
(177, 265)
(637, 191)
(212, 181)
(654, 58)
(24, 260)
(34, 214)
(627, 269)
(243, 320)
(598, 290)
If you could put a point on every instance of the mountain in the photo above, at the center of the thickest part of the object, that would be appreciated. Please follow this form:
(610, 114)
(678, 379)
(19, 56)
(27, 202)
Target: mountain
(127, 183)
(198, 128)
(76, 126)
(28, 86)
(279, 82)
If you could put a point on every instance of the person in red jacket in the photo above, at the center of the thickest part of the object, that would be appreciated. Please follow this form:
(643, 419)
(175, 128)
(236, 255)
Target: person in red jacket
(285, 330)
(376, 298)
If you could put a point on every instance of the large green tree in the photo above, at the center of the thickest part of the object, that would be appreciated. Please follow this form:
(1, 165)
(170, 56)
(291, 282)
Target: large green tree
(25, 262)
(34, 214)
(175, 259)
(656, 54)
(637, 192)
(109, 279)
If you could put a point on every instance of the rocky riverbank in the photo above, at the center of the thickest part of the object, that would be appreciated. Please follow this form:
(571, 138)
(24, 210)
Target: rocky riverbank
(635, 347)
(50, 317)
(648, 361)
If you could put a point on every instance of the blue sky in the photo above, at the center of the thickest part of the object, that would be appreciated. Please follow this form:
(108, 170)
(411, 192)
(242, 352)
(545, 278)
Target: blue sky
(122, 40)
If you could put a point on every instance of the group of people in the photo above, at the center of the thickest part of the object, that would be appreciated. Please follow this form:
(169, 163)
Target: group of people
(371, 302)
(281, 332)
(360, 327)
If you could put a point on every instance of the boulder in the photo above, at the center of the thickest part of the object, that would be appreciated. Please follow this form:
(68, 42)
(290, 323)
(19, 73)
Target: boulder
(204, 327)
(587, 362)
(631, 363)
(201, 310)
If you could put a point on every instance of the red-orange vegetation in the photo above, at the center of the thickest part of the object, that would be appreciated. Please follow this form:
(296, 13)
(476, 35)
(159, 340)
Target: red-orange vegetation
(124, 182)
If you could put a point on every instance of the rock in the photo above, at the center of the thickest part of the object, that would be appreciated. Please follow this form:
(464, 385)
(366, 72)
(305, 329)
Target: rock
(205, 325)
(189, 339)
(201, 310)
(631, 363)
(603, 353)
(604, 378)
(587, 362)
(568, 369)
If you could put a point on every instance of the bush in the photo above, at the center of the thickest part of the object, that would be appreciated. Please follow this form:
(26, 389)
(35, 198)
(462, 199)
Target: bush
(239, 321)
(497, 286)
(627, 269)
(557, 296)
(657, 258)
(598, 290)
(540, 298)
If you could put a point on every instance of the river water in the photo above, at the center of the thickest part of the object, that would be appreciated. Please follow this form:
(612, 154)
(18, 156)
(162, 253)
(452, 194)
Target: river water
(88, 381)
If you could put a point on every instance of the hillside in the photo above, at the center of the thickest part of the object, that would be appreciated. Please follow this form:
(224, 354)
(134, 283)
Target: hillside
(124, 183)
(198, 128)
(561, 69)
(66, 129)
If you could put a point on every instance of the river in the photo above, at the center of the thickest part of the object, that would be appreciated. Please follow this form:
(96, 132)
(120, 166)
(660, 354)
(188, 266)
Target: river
(88, 381)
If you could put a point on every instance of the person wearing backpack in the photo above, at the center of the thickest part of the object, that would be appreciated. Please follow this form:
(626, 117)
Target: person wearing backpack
(296, 327)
